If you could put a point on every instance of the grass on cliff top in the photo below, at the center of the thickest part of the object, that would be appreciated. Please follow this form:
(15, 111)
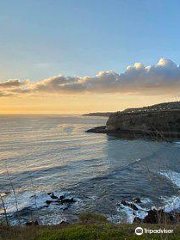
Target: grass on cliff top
(91, 227)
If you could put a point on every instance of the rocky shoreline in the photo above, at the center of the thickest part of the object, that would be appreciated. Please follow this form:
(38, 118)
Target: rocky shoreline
(152, 216)
(137, 134)
(137, 209)
(141, 214)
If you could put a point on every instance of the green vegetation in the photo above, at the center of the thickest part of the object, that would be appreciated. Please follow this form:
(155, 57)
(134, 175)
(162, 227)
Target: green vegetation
(92, 218)
(90, 227)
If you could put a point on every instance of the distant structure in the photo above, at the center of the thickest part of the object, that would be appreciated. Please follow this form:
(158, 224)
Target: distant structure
(169, 106)
(98, 114)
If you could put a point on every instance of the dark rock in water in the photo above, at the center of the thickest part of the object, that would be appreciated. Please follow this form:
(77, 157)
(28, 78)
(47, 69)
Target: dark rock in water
(101, 129)
(68, 200)
(137, 200)
(61, 200)
(124, 202)
(131, 205)
(61, 197)
(32, 223)
(53, 196)
(49, 201)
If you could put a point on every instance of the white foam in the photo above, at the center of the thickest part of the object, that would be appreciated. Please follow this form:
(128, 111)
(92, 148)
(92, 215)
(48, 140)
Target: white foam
(146, 201)
(27, 199)
(131, 214)
(171, 204)
(137, 160)
(173, 176)
(23, 200)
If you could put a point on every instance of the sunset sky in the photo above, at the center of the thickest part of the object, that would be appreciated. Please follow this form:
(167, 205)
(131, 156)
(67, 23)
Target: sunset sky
(79, 56)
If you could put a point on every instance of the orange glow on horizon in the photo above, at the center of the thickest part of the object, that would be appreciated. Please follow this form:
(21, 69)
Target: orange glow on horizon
(77, 104)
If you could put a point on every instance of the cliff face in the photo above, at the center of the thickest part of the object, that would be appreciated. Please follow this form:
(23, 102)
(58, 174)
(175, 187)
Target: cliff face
(163, 121)
(160, 121)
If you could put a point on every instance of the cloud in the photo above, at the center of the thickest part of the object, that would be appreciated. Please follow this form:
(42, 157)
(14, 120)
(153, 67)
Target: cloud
(12, 83)
(4, 94)
(162, 78)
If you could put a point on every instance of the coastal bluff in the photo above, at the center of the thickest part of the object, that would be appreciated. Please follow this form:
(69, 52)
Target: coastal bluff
(157, 121)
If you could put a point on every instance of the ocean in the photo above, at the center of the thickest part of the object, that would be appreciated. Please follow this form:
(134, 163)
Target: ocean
(41, 155)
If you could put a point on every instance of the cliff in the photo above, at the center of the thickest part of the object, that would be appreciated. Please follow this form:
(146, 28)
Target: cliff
(158, 121)
(162, 121)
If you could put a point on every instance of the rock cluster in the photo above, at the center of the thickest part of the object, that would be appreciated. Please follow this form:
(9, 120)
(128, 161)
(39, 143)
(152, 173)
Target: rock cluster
(60, 200)
(153, 216)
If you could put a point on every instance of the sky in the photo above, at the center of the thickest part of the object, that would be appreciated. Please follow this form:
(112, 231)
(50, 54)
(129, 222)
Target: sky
(78, 56)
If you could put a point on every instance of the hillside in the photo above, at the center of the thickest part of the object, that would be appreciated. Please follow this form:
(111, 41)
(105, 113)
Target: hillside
(157, 107)
(160, 120)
